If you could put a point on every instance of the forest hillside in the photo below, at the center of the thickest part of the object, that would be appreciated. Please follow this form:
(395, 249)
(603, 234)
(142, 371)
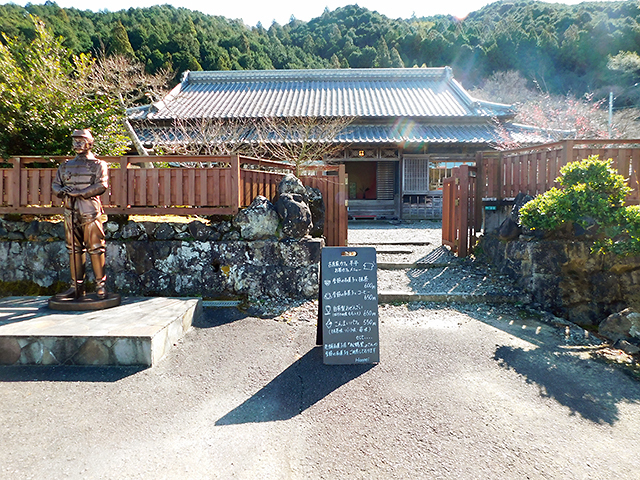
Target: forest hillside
(564, 67)
(588, 47)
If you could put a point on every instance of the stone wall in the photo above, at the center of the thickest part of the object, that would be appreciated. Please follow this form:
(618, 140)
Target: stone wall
(564, 277)
(163, 259)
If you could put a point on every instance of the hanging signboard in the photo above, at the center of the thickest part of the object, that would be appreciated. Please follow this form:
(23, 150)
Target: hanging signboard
(349, 306)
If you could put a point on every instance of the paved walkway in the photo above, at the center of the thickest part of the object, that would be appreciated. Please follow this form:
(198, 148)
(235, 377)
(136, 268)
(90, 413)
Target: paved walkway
(461, 392)
(482, 393)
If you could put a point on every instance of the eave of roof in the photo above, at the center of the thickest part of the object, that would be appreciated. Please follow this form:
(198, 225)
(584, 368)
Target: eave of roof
(399, 133)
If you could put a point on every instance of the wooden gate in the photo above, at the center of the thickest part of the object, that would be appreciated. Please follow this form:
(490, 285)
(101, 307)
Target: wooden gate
(459, 210)
(331, 181)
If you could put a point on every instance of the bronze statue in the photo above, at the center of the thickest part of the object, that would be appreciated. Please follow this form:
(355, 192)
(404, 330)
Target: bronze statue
(80, 182)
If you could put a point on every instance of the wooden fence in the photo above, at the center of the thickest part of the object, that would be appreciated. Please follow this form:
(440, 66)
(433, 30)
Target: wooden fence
(530, 170)
(195, 186)
(534, 170)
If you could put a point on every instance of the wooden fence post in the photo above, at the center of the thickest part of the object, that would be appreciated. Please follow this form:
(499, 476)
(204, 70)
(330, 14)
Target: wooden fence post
(500, 177)
(342, 202)
(567, 154)
(14, 182)
(120, 189)
(236, 189)
(481, 188)
(463, 205)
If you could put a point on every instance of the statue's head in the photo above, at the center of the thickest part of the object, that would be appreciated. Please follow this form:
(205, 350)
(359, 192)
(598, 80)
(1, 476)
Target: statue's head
(82, 140)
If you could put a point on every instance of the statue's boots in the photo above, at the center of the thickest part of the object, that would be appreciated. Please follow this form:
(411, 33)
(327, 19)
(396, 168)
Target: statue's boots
(77, 278)
(98, 263)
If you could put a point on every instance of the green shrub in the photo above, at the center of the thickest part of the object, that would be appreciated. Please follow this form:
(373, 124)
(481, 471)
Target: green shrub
(595, 176)
(623, 235)
(592, 191)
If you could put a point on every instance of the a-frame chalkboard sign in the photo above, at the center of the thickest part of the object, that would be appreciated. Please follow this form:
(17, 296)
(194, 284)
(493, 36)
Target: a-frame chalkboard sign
(348, 306)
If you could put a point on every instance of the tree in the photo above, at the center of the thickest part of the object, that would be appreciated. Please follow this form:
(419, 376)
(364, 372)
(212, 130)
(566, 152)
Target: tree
(561, 115)
(126, 81)
(46, 92)
(204, 136)
(383, 56)
(300, 140)
(396, 59)
(119, 44)
(42, 99)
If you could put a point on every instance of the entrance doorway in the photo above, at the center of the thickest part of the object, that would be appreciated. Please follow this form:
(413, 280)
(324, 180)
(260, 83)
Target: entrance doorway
(362, 180)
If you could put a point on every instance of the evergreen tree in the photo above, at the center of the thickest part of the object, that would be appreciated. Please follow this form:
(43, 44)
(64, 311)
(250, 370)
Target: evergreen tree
(119, 42)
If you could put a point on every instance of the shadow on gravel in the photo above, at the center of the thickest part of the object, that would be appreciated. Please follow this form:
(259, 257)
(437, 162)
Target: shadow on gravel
(212, 317)
(300, 386)
(65, 373)
(569, 381)
(458, 278)
(440, 254)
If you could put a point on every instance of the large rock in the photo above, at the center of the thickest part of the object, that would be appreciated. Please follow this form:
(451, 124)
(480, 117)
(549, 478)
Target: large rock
(317, 208)
(292, 184)
(519, 202)
(623, 325)
(295, 214)
(258, 221)
(201, 232)
(509, 230)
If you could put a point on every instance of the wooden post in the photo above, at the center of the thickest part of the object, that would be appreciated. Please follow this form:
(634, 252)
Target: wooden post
(121, 192)
(14, 182)
(235, 192)
(500, 177)
(481, 188)
(463, 205)
(567, 154)
(342, 205)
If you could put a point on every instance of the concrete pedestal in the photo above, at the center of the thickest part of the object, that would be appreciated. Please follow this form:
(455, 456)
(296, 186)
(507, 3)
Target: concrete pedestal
(138, 332)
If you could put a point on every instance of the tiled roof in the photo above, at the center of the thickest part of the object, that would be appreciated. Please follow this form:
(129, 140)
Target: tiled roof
(362, 93)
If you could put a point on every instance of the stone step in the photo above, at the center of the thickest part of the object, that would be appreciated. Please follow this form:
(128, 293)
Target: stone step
(405, 297)
(138, 332)
(414, 265)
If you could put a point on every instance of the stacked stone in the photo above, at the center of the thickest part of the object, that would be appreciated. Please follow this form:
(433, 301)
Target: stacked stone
(564, 277)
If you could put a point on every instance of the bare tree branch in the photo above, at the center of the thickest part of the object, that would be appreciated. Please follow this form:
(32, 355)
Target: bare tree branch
(300, 140)
(127, 80)
(120, 77)
(204, 136)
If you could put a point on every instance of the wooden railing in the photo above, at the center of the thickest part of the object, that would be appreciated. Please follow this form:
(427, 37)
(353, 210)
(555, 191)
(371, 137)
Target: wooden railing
(219, 186)
(534, 170)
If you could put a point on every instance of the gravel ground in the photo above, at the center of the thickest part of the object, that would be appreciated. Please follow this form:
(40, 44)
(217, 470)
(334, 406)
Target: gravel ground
(456, 279)
(393, 232)
(399, 242)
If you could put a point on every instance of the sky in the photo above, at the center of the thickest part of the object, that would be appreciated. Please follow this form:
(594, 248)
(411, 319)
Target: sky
(266, 11)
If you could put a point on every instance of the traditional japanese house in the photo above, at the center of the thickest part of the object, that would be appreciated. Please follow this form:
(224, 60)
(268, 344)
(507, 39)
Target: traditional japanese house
(410, 126)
